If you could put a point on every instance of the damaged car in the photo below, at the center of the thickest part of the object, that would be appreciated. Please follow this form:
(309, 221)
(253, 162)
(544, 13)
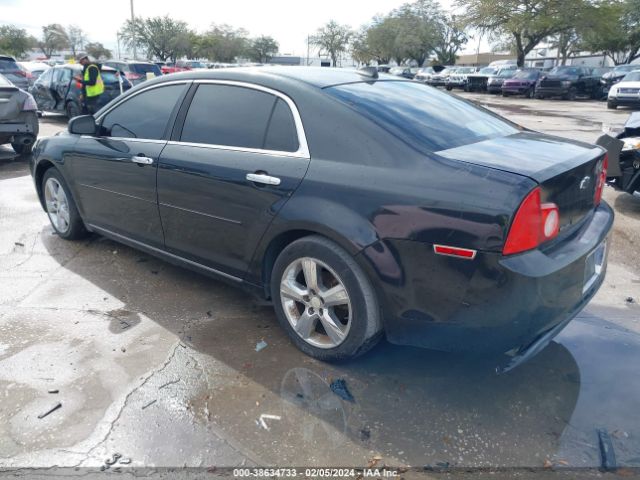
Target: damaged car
(624, 154)
(423, 218)
(18, 118)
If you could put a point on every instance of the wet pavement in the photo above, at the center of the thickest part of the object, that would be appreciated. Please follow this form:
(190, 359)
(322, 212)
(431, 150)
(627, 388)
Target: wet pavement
(159, 365)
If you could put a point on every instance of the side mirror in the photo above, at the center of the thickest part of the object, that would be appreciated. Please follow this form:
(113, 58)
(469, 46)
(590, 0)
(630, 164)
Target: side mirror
(83, 125)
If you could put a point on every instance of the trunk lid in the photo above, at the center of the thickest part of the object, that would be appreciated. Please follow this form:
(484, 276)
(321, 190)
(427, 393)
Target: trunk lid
(565, 169)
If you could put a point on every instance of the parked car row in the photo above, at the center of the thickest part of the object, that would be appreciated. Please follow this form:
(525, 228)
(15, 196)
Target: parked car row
(565, 81)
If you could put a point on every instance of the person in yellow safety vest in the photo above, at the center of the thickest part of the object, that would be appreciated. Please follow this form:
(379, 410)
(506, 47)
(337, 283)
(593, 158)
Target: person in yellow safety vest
(92, 84)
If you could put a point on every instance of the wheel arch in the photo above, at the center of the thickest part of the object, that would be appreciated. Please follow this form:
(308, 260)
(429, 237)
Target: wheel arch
(41, 168)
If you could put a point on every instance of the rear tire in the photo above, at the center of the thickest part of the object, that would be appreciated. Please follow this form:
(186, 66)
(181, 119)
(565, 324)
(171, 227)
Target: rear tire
(60, 206)
(305, 309)
(530, 93)
(448, 88)
(21, 148)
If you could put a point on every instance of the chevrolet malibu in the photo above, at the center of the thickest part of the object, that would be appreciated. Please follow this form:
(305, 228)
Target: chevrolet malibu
(361, 205)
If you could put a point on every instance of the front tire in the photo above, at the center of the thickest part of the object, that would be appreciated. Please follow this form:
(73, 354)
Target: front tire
(611, 105)
(60, 206)
(324, 301)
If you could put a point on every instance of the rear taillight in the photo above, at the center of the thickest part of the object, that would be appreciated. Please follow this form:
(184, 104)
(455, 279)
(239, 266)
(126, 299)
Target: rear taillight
(601, 179)
(29, 104)
(534, 223)
(78, 84)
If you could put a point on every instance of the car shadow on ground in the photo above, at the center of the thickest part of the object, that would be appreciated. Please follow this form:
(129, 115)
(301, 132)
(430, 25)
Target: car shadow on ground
(408, 402)
(628, 204)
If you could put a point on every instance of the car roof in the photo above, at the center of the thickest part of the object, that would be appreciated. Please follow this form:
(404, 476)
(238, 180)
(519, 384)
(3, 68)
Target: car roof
(320, 77)
(77, 66)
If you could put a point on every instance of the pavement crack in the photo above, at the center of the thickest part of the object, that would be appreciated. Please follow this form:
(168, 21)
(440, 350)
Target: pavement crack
(113, 423)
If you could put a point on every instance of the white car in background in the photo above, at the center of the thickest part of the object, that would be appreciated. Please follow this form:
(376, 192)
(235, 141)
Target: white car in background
(625, 93)
(34, 70)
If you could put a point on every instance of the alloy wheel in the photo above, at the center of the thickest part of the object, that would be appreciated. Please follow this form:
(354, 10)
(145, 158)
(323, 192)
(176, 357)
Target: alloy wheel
(316, 302)
(57, 205)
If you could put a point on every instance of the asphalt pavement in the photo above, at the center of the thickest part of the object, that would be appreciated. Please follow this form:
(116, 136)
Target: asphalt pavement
(105, 350)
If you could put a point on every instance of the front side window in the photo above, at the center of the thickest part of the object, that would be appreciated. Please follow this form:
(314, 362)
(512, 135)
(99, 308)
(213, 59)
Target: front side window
(239, 117)
(144, 115)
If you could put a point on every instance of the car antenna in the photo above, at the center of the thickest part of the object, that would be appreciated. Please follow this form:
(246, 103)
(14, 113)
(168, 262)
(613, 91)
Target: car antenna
(371, 72)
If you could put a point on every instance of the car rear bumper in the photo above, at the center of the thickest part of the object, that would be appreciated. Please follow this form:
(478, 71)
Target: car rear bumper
(491, 303)
(17, 128)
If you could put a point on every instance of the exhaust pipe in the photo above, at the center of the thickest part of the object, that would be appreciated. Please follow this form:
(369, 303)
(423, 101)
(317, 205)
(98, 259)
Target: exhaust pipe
(25, 139)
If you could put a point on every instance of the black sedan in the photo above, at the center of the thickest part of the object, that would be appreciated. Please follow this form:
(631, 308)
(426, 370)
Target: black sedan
(361, 206)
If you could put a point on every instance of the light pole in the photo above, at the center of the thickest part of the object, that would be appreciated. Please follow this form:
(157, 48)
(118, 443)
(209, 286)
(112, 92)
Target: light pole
(133, 19)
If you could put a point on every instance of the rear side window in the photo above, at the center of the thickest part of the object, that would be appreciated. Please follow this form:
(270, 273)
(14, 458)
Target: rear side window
(109, 76)
(144, 115)
(228, 115)
(281, 134)
(423, 117)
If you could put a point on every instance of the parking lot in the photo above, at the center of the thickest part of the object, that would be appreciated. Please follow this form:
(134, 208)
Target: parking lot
(160, 365)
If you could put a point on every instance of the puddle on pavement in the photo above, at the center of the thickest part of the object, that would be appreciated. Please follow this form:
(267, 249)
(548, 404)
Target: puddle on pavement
(418, 407)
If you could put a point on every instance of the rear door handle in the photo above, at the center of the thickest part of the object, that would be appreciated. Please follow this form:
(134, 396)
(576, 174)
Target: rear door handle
(263, 178)
(142, 160)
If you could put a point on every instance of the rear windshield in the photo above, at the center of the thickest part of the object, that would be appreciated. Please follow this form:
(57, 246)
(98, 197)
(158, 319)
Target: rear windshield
(8, 65)
(143, 68)
(506, 73)
(423, 117)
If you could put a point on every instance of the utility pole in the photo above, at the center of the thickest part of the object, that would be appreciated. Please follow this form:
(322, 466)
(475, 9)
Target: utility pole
(307, 50)
(133, 19)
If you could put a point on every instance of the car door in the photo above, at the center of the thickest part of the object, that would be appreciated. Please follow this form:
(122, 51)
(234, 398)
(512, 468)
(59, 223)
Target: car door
(42, 93)
(234, 160)
(114, 172)
(60, 87)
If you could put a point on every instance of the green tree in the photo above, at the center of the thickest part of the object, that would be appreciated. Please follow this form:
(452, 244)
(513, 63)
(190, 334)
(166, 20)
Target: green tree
(332, 40)
(418, 29)
(451, 39)
(223, 43)
(14, 41)
(97, 50)
(263, 48)
(161, 37)
(77, 39)
(617, 31)
(381, 39)
(527, 23)
(54, 39)
(360, 49)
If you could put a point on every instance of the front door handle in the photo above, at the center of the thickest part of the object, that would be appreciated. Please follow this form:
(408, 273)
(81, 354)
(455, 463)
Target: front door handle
(263, 178)
(142, 160)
